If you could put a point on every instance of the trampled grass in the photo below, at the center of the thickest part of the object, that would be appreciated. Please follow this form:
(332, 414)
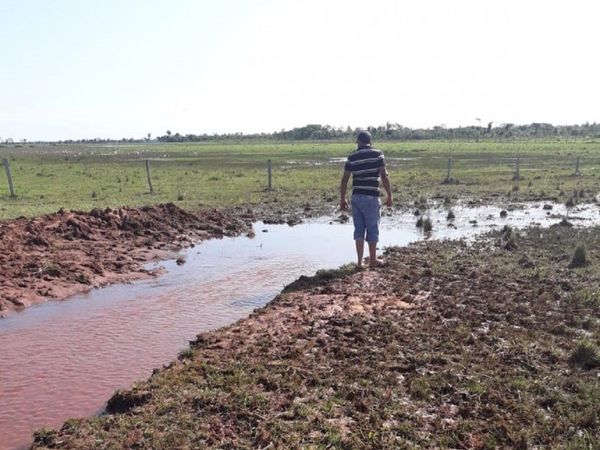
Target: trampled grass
(193, 175)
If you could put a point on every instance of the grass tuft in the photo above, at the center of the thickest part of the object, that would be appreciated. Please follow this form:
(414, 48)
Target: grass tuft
(580, 258)
(186, 353)
(585, 356)
(427, 225)
(507, 238)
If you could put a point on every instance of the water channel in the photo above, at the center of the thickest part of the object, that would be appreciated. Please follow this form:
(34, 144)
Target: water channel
(65, 358)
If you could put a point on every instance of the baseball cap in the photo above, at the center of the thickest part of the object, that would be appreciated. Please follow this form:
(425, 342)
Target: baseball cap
(363, 137)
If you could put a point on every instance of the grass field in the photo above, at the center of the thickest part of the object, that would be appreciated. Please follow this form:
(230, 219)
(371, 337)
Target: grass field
(76, 176)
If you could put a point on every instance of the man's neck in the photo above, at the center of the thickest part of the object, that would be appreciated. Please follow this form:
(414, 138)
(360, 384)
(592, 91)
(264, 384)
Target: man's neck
(362, 146)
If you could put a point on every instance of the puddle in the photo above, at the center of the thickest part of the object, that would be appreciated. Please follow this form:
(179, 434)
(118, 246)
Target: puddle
(65, 359)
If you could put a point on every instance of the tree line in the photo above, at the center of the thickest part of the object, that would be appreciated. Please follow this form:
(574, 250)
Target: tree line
(394, 131)
(389, 131)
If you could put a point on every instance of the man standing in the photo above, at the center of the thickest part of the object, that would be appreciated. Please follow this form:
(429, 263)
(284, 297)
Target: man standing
(367, 166)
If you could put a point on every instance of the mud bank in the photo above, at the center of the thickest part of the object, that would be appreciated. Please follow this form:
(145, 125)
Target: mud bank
(489, 345)
(57, 255)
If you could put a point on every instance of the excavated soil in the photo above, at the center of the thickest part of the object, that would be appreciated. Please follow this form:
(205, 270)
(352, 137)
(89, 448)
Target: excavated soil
(57, 255)
(449, 345)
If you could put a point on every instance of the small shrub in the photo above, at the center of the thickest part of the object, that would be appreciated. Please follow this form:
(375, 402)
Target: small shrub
(450, 215)
(419, 223)
(585, 356)
(579, 257)
(503, 213)
(94, 195)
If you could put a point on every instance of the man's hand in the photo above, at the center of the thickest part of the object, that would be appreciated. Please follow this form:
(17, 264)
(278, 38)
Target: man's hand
(343, 204)
(389, 202)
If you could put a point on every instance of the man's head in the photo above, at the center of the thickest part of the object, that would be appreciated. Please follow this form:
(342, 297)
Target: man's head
(363, 138)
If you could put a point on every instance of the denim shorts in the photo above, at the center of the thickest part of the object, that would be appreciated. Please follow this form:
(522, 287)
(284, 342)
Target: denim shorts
(366, 212)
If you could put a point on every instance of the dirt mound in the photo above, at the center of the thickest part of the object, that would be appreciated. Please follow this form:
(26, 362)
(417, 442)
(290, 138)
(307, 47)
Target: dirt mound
(57, 255)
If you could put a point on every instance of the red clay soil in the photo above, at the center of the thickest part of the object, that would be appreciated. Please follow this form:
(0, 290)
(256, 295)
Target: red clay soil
(57, 255)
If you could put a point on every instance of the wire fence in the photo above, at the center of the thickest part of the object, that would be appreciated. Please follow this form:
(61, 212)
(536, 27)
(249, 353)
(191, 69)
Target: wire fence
(149, 172)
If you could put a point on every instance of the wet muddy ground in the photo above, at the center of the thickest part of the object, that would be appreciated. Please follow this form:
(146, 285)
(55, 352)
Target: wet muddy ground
(57, 255)
(492, 344)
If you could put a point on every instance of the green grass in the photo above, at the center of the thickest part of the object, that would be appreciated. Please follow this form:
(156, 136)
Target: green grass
(76, 176)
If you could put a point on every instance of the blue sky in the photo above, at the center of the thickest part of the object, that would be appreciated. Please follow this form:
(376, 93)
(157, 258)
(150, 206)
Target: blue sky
(84, 69)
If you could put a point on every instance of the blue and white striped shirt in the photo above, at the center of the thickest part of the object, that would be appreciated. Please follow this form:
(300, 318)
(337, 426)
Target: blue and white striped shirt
(364, 163)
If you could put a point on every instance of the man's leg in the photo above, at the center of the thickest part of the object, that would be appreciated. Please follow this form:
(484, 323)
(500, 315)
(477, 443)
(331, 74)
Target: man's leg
(372, 217)
(358, 219)
(373, 262)
(360, 248)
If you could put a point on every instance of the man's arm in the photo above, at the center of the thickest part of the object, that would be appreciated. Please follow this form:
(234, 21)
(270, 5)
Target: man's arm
(343, 189)
(385, 180)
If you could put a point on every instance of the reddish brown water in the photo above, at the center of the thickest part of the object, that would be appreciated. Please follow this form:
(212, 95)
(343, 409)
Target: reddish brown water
(65, 359)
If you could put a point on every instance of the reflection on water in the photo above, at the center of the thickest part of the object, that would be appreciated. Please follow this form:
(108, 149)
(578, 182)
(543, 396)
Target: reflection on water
(64, 359)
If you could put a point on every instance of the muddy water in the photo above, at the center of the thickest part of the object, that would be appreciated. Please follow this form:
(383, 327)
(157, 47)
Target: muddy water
(64, 359)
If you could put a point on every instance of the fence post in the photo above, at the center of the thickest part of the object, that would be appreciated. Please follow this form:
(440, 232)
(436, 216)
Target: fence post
(11, 186)
(269, 175)
(448, 178)
(517, 175)
(577, 173)
(148, 175)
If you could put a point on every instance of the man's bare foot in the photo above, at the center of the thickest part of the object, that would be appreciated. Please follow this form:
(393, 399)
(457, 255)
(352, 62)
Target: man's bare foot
(376, 263)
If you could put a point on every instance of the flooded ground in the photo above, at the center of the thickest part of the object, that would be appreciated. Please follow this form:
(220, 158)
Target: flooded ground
(65, 359)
